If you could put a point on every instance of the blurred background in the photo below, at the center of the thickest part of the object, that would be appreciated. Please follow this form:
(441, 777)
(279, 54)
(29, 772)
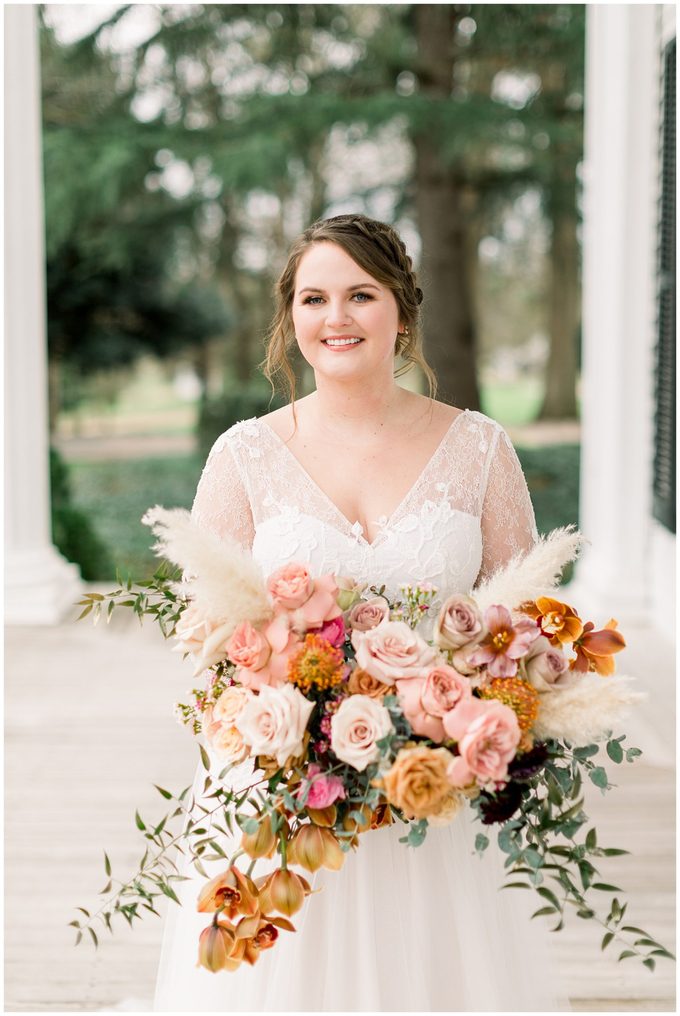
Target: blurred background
(186, 145)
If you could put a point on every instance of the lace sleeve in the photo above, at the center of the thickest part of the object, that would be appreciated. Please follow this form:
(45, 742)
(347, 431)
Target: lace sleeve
(508, 522)
(221, 503)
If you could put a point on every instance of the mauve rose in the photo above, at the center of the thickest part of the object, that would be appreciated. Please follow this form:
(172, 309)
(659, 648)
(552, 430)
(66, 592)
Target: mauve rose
(248, 647)
(333, 631)
(547, 667)
(459, 623)
(488, 734)
(425, 700)
(369, 614)
(359, 722)
(391, 651)
(274, 722)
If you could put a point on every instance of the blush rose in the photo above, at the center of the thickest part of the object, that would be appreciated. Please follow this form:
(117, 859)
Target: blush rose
(357, 725)
(391, 651)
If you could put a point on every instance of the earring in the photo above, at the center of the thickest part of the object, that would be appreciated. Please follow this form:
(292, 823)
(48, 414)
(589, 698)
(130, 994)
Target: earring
(405, 332)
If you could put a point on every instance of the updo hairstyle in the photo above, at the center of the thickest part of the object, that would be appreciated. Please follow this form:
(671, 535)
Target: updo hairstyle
(378, 249)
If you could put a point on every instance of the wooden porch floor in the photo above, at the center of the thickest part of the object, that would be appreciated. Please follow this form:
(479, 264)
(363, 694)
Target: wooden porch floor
(89, 729)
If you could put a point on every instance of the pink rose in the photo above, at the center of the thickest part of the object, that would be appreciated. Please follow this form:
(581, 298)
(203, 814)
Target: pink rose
(488, 734)
(333, 631)
(308, 602)
(459, 623)
(547, 667)
(425, 700)
(248, 647)
(275, 671)
(369, 614)
(324, 789)
(391, 651)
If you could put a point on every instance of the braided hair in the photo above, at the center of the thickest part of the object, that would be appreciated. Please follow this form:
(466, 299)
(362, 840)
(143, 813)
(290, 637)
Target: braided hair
(379, 250)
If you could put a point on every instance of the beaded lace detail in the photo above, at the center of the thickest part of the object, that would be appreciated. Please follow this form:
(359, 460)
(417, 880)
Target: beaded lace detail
(467, 514)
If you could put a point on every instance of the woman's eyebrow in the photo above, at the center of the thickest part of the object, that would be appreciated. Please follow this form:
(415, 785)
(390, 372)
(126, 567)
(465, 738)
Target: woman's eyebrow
(359, 285)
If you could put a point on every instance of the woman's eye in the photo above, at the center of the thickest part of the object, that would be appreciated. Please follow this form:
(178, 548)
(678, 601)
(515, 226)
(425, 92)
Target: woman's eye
(367, 296)
(311, 299)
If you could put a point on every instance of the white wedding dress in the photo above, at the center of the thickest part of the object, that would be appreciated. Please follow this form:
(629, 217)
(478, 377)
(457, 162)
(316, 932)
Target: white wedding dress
(397, 929)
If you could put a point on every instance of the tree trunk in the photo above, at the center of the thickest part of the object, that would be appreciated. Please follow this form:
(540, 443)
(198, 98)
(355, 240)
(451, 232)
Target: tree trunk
(448, 319)
(564, 305)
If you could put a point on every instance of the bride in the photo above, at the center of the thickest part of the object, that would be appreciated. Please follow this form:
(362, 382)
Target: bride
(368, 479)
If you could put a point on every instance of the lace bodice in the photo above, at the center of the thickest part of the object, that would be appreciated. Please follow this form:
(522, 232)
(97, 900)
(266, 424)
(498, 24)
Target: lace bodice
(468, 512)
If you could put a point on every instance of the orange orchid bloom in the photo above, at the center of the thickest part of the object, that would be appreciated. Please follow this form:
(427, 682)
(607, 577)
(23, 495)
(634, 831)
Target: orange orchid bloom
(254, 934)
(558, 621)
(594, 649)
(231, 892)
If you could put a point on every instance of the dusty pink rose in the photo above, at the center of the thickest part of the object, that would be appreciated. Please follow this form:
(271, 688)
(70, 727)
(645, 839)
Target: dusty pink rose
(459, 623)
(488, 734)
(547, 667)
(324, 789)
(248, 647)
(506, 642)
(333, 631)
(369, 614)
(308, 602)
(392, 651)
(425, 700)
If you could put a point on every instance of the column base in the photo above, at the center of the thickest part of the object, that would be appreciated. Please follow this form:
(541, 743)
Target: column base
(595, 592)
(41, 586)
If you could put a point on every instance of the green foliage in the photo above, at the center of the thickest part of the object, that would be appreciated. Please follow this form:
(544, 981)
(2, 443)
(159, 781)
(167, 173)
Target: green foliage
(217, 415)
(72, 531)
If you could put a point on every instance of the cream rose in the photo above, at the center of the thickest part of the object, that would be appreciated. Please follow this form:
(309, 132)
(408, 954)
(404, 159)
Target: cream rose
(274, 722)
(391, 651)
(547, 667)
(368, 614)
(356, 727)
(203, 639)
(230, 705)
(459, 623)
(418, 782)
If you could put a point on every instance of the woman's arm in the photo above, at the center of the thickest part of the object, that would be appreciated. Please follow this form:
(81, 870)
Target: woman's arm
(221, 503)
(507, 521)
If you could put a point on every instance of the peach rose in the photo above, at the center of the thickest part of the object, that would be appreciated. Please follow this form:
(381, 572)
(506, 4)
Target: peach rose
(447, 810)
(425, 700)
(417, 782)
(488, 734)
(248, 647)
(309, 602)
(229, 705)
(459, 623)
(226, 742)
(362, 683)
(391, 651)
(547, 667)
(218, 722)
(274, 722)
(369, 614)
(357, 725)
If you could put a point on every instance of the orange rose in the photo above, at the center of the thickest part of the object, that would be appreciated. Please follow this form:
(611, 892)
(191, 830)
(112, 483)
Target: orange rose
(418, 783)
(363, 683)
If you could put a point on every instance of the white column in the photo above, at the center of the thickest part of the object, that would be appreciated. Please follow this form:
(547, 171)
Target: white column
(619, 307)
(40, 586)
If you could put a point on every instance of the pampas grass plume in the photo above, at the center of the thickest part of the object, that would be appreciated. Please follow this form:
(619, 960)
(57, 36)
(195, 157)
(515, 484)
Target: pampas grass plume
(220, 577)
(586, 710)
(536, 573)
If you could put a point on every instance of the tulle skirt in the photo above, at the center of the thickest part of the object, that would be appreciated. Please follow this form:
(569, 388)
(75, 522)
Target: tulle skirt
(396, 929)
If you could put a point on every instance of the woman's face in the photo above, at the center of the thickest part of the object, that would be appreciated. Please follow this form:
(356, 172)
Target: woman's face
(345, 322)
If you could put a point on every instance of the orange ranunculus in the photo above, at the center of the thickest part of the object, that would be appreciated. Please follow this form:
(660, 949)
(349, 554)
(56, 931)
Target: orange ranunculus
(557, 620)
(594, 649)
(315, 847)
(232, 891)
(215, 947)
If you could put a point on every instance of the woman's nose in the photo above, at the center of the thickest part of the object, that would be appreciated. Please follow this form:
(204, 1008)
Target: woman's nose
(337, 313)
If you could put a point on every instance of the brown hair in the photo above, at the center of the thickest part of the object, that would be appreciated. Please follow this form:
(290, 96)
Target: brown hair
(377, 248)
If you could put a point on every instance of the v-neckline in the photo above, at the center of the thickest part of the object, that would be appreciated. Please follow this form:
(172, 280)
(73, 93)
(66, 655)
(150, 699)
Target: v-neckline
(355, 527)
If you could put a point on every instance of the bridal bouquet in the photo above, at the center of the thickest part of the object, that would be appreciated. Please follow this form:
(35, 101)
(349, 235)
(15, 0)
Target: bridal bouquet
(325, 713)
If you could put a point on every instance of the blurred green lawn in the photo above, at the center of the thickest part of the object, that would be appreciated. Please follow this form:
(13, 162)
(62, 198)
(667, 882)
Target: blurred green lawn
(115, 495)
